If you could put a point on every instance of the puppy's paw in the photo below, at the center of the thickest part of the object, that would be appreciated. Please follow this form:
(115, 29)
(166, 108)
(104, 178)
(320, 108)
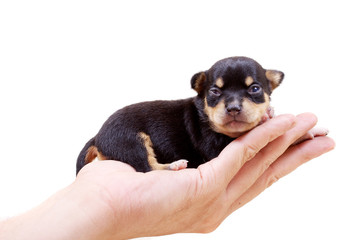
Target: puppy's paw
(270, 113)
(178, 165)
(313, 133)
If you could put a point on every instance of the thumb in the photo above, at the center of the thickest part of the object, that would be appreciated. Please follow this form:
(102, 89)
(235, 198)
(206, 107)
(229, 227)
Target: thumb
(238, 152)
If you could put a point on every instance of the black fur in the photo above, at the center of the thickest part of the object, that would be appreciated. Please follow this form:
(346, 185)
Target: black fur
(81, 158)
(178, 129)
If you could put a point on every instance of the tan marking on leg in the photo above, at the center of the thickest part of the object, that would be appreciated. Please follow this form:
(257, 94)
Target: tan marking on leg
(249, 80)
(219, 82)
(93, 153)
(101, 157)
(151, 154)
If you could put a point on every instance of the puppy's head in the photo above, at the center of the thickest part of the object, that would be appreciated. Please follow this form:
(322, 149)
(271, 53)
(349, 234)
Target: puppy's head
(235, 94)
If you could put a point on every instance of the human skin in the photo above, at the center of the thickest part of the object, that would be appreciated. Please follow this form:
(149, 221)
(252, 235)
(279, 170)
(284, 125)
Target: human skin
(109, 200)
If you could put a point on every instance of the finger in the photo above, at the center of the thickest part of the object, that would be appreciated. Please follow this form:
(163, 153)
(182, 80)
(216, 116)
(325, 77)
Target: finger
(288, 162)
(232, 158)
(254, 168)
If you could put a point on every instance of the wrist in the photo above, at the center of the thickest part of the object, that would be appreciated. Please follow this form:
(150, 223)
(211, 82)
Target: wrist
(59, 217)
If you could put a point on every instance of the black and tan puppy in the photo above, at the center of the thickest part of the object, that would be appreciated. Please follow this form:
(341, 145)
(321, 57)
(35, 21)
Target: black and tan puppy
(232, 98)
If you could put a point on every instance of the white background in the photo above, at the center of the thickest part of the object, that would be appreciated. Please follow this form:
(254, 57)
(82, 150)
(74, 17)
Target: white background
(65, 66)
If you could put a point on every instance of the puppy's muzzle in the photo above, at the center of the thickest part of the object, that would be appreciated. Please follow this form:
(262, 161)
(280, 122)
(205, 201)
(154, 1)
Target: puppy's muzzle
(233, 109)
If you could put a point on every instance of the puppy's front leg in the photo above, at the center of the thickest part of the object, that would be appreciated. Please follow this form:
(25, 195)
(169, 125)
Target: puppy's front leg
(270, 113)
(315, 132)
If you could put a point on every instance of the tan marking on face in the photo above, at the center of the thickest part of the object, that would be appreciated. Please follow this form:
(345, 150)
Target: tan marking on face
(93, 153)
(250, 116)
(253, 112)
(151, 154)
(219, 82)
(249, 80)
(215, 114)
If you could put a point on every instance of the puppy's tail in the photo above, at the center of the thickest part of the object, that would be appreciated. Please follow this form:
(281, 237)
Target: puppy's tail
(86, 155)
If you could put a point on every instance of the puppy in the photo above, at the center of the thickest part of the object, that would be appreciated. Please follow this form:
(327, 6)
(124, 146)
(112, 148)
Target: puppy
(233, 97)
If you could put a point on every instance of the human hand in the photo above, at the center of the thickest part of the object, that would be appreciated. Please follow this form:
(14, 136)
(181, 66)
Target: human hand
(134, 204)
(109, 200)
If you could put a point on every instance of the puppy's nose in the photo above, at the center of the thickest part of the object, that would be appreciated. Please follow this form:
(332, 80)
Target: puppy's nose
(233, 110)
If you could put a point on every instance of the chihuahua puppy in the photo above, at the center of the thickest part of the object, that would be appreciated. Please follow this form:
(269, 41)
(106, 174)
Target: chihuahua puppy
(233, 97)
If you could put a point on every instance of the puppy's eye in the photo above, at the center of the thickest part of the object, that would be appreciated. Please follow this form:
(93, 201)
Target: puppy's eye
(215, 92)
(255, 88)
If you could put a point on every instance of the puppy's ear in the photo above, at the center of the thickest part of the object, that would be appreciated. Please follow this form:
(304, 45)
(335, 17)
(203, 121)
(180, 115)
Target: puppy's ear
(275, 77)
(198, 82)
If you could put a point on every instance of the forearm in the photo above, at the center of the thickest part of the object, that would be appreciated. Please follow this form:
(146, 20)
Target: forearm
(109, 200)
(80, 211)
(56, 218)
